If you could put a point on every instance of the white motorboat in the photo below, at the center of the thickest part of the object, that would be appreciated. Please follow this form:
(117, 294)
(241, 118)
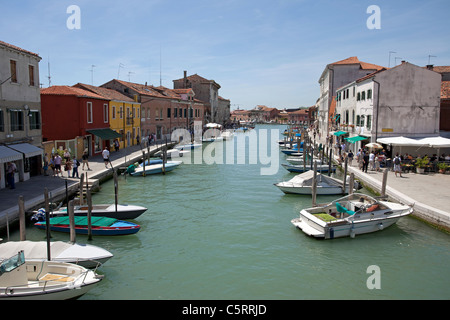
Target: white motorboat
(299, 161)
(301, 168)
(189, 146)
(85, 255)
(349, 216)
(123, 212)
(41, 279)
(227, 135)
(302, 184)
(173, 153)
(155, 168)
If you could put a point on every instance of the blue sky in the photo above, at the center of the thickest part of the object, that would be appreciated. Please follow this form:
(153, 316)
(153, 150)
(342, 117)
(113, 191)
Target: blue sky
(260, 52)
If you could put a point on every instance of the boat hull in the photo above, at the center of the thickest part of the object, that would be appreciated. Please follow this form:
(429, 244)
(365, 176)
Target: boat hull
(301, 169)
(124, 212)
(308, 190)
(156, 168)
(117, 229)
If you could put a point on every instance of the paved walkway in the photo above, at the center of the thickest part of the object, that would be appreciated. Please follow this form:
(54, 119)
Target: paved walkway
(33, 189)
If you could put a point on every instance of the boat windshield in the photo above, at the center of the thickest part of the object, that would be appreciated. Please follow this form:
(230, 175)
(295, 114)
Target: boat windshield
(10, 264)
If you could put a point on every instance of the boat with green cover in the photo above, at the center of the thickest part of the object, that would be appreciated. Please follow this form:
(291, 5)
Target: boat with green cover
(100, 226)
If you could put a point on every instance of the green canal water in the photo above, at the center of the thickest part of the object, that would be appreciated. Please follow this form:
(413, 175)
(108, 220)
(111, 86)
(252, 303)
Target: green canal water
(223, 231)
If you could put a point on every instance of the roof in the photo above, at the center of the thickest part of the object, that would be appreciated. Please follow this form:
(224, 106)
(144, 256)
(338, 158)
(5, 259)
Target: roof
(104, 92)
(440, 69)
(196, 78)
(445, 90)
(70, 91)
(355, 60)
(370, 75)
(10, 46)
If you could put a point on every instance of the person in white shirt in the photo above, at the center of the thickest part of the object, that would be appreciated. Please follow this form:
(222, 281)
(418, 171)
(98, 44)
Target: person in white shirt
(105, 155)
(372, 160)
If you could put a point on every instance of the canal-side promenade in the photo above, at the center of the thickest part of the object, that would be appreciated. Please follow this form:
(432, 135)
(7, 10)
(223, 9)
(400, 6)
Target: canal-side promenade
(33, 189)
(429, 193)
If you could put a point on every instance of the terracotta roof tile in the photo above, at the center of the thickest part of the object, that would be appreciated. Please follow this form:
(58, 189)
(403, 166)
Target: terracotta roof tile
(70, 91)
(445, 90)
(355, 60)
(104, 92)
(2, 43)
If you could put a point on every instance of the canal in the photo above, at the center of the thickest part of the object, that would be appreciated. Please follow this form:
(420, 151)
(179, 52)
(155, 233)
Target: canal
(223, 231)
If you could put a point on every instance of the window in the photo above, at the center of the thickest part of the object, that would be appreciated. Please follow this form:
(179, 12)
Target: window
(113, 111)
(354, 91)
(16, 120)
(31, 75)
(180, 114)
(348, 93)
(369, 122)
(363, 95)
(369, 94)
(185, 112)
(13, 67)
(175, 112)
(358, 120)
(2, 121)
(35, 120)
(362, 121)
(121, 112)
(89, 112)
(105, 113)
(169, 113)
(358, 97)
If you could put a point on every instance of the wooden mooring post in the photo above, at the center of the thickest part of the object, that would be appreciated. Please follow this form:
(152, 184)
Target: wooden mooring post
(47, 222)
(314, 186)
(22, 219)
(384, 183)
(89, 213)
(70, 210)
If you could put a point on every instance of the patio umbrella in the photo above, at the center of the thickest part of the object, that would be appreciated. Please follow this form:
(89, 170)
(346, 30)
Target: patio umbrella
(374, 145)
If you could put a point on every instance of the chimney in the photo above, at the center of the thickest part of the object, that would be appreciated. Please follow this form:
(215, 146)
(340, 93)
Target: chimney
(430, 67)
(185, 80)
(403, 61)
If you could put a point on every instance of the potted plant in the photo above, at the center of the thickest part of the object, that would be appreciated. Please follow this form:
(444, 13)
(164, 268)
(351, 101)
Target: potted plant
(421, 163)
(442, 167)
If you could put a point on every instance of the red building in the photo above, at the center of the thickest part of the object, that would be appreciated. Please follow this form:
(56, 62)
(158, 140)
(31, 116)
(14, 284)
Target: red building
(69, 112)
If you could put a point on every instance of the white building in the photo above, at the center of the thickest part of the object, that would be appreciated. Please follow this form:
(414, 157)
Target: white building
(401, 101)
(334, 76)
(20, 112)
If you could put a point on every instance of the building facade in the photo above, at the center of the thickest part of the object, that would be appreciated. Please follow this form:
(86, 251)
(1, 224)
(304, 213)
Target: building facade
(20, 113)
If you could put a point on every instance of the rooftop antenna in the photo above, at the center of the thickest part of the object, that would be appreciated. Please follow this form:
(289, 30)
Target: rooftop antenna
(390, 52)
(49, 77)
(396, 59)
(92, 74)
(160, 59)
(118, 72)
(429, 58)
(129, 76)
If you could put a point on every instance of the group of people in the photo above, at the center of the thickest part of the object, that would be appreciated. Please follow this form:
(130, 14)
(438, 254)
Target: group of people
(71, 164)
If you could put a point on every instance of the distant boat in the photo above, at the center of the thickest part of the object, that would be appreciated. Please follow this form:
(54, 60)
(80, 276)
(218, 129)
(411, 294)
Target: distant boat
(301, 169)
(101, 226)
(302, 184)
(292, 151)
(28, 279)
(85, 255)
(124, 211)
(349, 216)
(227, 135)
(189, 146)
(299, 160)
(173, 153)
(154, 168)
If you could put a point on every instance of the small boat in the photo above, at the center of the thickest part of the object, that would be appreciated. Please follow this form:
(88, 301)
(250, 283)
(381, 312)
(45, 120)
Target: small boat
(301, 169)
(302, 184)
(189, 146)
(101, 226)
(154, 168)
(349, 216)
(41, 279)
(85, 255)
(227, 135)
(124, 211)
(299, 160)
(292, 151)
(212, 139)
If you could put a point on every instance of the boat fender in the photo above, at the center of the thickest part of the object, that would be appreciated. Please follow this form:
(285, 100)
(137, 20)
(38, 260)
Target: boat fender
(331, 233)
(380, 226)
(352, 231)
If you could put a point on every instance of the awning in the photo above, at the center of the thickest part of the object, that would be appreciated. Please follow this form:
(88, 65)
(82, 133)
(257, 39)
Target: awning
(7, 155)
(105, 133)
(399, 141)
(340, 133)
(436, 142)
(355, 139)
(27, 149)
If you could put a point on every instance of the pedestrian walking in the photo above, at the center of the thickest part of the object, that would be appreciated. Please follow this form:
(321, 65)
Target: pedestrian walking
(365, 161)
(84, 159)
(397, 165)
(46, 164)
(105, 155)
(58, 161)
(350, 157)
(75, 165)
(10, 175)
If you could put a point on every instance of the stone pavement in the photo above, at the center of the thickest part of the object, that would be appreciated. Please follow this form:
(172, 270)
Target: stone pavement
(33, 189)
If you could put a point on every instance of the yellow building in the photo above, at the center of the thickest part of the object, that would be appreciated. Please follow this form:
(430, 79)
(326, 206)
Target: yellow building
(124, 114)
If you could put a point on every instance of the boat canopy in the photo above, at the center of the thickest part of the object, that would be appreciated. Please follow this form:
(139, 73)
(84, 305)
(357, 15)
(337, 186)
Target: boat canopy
(356, 139)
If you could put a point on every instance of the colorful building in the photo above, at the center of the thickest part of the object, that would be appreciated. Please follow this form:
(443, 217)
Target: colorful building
(70, 112)
(124, 114)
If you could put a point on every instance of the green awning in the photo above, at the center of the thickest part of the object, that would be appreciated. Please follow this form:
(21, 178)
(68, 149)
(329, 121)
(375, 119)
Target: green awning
(340, 133)
(355, 139)
(105, 134)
